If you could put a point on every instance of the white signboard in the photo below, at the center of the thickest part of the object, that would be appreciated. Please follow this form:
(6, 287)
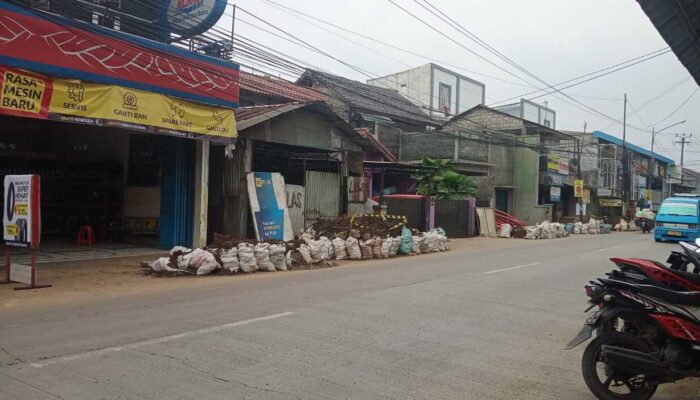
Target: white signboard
(192, 17)
(357, 189)
(295, 205)
(21, 273)
(604, 192)
(21, 219)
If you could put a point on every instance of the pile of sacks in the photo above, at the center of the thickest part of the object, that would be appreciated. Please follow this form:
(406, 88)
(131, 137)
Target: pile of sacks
(546, 230)
(245, 258)
(591, 228)
(355, 247)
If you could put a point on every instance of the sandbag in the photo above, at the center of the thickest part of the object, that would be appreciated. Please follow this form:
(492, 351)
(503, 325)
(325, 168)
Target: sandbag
(246, 258)
(505, 231)
(340, 249)
(262, 257)
(416, 243)
(316, 248)
(203, 261)
(277, 256)
(432, 242)
(385, 248)
(305, 252)
(288, 259)
(366, 249)
(395, 245)
(328, 250)
(406, 241)
(531, 232)
(353, 248)
(179, 249)
(161, 265)
(377, 247)
(229, 259)
(424, 248)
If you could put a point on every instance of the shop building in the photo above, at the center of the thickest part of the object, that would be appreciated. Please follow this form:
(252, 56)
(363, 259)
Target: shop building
(119, 128)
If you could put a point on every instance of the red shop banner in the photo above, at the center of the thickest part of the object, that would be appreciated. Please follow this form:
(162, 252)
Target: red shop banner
(24, 94)
(61, 47)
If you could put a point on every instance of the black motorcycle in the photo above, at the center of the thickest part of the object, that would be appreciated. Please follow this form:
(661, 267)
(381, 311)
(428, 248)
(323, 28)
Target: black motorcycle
(648, 327)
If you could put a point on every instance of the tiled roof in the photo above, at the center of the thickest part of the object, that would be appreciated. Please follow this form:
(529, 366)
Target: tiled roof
(249, 116)
(278, 88)
(370, 99)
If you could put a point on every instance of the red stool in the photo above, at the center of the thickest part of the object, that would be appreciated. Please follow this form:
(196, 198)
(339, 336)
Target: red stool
(86, 235)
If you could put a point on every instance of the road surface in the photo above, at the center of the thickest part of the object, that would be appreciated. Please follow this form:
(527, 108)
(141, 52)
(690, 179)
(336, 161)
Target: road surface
(479, 324)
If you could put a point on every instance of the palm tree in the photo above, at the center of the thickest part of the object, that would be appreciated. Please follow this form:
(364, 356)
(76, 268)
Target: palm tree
(438, 178)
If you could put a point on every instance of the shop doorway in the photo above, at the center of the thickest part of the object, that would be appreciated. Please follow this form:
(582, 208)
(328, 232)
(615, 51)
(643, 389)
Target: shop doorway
(503, 200)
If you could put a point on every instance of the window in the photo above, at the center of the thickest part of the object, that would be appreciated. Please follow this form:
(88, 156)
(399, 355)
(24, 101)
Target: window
(444, 99)
(679, 209)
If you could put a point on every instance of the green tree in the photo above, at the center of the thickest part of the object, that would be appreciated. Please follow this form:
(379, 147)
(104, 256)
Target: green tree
(438, 178)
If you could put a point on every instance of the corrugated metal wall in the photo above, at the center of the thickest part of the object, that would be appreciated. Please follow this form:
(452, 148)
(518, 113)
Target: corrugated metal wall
(412, 209)
(235, 196)
(452, 216)
(322, 199)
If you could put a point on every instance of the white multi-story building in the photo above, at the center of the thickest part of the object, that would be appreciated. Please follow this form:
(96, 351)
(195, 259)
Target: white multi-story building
(531, 111)
(440, 92)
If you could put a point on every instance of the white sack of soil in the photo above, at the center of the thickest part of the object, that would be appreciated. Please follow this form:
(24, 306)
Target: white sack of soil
(340, 249)
(305, 252)
(416, 244)
(377, 247)
(262, 257)
(366, 249)
(387, 244)
(246, 258)
(353, 248)
(229, 259)
(277, 256)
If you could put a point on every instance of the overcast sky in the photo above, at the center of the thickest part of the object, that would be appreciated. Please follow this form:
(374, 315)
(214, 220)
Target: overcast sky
(555, 40)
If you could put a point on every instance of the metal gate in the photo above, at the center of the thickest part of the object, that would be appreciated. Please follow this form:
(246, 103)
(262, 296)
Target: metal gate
(412, 209)
(177, 192)
(322, 197)
(452, 216)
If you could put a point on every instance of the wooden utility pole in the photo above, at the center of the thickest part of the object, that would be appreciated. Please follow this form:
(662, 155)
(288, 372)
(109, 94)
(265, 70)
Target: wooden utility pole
(625, 169)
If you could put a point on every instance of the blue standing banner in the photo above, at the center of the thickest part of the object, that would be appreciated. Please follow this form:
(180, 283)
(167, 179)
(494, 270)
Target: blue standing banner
(268, 205)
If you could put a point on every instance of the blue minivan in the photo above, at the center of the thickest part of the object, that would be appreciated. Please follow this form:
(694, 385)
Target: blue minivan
(677, 219)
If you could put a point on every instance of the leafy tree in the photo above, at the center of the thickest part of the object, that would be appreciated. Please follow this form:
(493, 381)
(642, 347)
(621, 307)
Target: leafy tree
(439, 179)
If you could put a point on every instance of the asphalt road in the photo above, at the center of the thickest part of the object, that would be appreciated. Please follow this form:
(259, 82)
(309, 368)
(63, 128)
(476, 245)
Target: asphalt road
(477, 324)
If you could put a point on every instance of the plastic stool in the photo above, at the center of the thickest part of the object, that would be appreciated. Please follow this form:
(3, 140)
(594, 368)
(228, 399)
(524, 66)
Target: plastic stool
(86, 235)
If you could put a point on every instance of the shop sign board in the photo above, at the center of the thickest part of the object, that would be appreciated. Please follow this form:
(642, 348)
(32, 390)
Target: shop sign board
(610, 202)
(192, 17)
(555, 194)
(268, 205)
(604, 192)
(63, 47)
(30, 95)
(557, 164)
(21, 216)
(586, 198)
(578, 188)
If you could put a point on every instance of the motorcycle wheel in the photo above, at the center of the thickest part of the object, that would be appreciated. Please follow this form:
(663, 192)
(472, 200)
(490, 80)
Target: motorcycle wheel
(608, 384)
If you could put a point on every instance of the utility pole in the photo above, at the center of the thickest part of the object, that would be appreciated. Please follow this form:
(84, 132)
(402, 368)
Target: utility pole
(625, 172)
(684, 138)
(233, 26)
(578, 167)
(652, 160)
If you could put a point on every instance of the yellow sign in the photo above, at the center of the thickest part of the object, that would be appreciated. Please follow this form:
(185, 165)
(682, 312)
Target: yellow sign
(648, 194)
(553, 162)
(610, 202)
(578, 188)
(22, 93)
(137, 109)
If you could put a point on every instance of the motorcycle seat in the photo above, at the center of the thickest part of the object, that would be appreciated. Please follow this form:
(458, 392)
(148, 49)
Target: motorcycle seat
(680, 298)
(695, 278)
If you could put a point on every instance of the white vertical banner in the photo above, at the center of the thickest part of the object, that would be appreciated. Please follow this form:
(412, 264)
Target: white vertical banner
(268, 205)
(21, 218)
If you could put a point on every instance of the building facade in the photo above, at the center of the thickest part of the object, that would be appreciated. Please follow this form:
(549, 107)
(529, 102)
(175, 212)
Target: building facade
(440, 92)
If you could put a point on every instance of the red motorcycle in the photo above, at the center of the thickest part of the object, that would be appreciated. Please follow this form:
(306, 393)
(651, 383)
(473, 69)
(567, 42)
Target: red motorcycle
(647, 324)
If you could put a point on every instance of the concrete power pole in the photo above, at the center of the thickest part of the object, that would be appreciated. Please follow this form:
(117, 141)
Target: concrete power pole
(625, 170)
(683, 139)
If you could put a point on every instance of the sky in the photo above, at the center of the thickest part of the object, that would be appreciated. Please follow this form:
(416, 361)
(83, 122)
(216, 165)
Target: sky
(556, 40)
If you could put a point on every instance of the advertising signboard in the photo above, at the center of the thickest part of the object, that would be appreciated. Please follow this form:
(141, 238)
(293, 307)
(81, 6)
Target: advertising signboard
(268, 205)
(35, 96)
(555, 194)
(610, 202)
(21, 216)
(604, 192)
(557, 164)
(192, 17)
(578, 188)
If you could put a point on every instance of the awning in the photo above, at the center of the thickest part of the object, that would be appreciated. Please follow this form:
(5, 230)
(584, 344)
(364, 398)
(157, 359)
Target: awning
(60, 47)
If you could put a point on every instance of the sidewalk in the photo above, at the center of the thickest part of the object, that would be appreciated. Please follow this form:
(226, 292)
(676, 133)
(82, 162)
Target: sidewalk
(88, 280)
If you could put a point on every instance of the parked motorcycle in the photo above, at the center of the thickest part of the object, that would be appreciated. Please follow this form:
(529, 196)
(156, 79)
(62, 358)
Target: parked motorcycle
(647, 326)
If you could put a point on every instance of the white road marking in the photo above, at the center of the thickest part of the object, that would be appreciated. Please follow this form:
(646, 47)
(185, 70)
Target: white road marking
(134, 345)
(511, 268)
(610, 248)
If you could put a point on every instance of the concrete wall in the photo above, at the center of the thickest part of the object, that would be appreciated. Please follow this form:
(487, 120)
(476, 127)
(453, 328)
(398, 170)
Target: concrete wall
(302, 128)
(526, 180)
(413, 84)
(480, 117)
